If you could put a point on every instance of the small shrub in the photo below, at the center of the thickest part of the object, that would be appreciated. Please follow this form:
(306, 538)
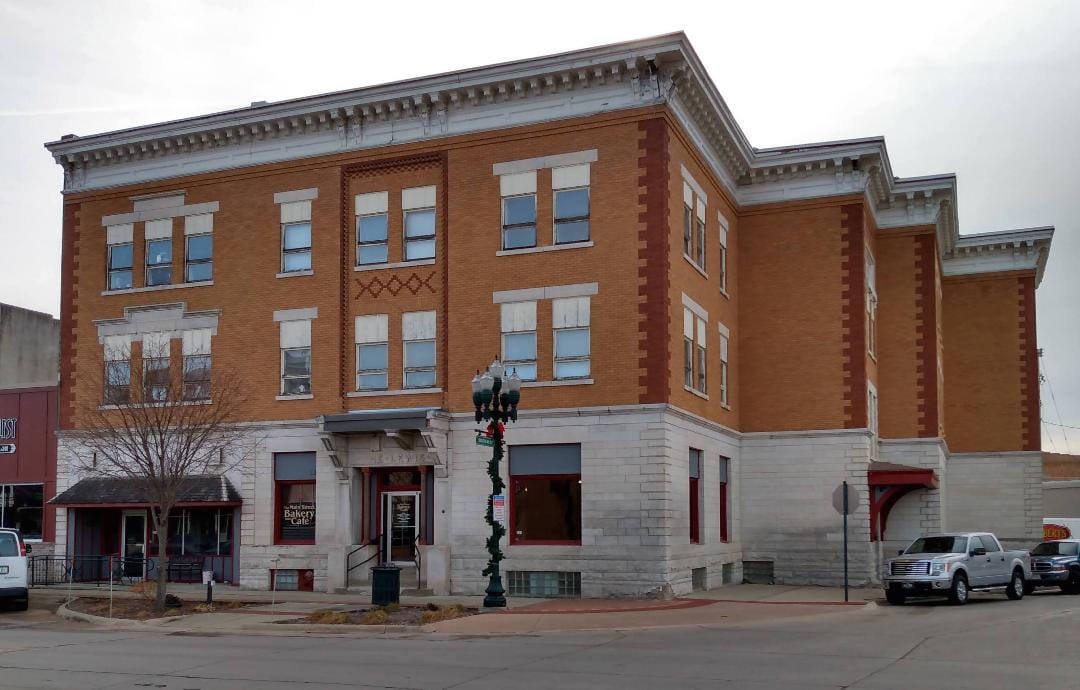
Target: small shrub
(444, 614)
(392, 608)
(204, 608)
(147, 589)
(430, 606)
(375, 617)
(172, 601)
(330, 617)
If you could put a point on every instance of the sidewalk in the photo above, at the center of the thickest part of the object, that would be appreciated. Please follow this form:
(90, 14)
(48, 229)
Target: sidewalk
(735, 604)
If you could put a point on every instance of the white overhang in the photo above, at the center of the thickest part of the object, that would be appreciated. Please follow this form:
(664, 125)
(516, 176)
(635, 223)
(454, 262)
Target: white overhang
(996, 252)
(660, 70)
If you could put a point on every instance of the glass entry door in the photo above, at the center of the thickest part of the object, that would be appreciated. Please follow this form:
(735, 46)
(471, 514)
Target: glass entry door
(401, 526)
(134, 543)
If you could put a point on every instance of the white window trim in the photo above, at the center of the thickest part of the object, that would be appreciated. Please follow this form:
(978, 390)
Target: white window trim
(155, 288)
(872, 420)
(502, 227)
(555, 222)
(360, 371)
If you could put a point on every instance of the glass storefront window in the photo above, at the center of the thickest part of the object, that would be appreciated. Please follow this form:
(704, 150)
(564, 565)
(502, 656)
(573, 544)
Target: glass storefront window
(22, 508)
(200, 532)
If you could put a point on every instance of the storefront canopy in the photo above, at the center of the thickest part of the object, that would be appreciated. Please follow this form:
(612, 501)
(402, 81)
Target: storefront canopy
(889, 482)
(102, 492)
(369, 421)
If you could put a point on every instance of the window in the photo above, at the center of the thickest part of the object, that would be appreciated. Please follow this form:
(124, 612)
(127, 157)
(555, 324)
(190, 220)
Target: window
(158, 252)
(519, 338)
(418, 334)
(871, 304)
(294, 486)
(418, 205)
(371, 229)
(723, 222)
(196, 371)
(688, 220)
(699, 237)
(372, 350)
(695, 496)
(295, 357)
(872, 408)
(725, 337)
(570, 319)
(155, 367)
(519, 210)
(570, 186)
(200, 532)
(295, 236)
(724, 468)
(117, 370)
(199, 265)
(545, 494)
(693, 225)
(199, 248)
(694, 352)
(120, 259)
(21, 508)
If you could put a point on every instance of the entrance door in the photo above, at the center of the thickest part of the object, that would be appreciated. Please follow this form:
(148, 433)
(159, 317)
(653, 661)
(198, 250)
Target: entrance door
(401, 526)
(133, 540)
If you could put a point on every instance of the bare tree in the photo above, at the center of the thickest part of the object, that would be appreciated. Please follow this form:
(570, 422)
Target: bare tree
(158, 425)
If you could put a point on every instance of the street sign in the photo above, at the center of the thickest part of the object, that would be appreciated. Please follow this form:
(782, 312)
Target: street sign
(485, 441)
(7, 448)
(852, 498)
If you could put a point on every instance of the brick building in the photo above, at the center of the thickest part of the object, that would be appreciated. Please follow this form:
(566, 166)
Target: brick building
(713, 336)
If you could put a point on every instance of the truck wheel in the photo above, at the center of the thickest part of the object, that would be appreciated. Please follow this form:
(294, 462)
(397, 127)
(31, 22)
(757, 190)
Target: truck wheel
(1028, 588)
(1073, 585)
(21, 605)
(1015, 590)
(895, 597)
(958, 593)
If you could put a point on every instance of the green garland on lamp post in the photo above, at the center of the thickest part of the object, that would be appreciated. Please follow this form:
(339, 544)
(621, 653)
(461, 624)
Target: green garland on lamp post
(495, 405)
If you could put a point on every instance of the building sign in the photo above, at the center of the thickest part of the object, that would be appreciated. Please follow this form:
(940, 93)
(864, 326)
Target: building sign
(7, 448)
(298, 521)
(1055, 531)
(7, 427)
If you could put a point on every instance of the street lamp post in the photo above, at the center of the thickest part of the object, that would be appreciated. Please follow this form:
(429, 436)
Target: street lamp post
(496, 404)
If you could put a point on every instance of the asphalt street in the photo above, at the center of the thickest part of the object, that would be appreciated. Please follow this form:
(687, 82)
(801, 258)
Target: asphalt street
(990, 643)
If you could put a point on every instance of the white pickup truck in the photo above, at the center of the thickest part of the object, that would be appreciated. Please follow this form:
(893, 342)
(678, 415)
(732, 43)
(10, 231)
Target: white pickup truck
(953, 565)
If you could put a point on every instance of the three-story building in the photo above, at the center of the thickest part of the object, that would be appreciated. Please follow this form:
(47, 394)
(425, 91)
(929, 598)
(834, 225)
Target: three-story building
(712, 336)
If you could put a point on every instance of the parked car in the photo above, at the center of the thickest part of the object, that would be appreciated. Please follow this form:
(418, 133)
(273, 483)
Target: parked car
(1056, 564)
(13, 585)
(954, 565)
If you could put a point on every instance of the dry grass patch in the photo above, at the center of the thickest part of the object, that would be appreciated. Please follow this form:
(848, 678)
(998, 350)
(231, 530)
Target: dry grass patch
(375, 617)
(330, 617)
(445, 613)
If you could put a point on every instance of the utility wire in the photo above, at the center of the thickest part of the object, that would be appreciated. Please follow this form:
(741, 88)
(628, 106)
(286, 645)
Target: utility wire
(1053, 398)
(1067, 426)
(1049, 436)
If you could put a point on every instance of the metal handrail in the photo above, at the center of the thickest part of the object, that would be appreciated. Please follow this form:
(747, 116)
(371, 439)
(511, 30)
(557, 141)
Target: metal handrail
(350, 568)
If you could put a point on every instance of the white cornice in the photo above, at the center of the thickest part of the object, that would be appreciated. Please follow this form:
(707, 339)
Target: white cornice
(660, 70)
(995, 252)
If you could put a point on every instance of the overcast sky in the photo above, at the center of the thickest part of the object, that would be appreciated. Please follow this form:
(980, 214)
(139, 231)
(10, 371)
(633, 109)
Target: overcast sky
(988, 90)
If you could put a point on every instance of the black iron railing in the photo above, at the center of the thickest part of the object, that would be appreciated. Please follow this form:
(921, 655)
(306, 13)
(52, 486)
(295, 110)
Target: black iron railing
(98, 570)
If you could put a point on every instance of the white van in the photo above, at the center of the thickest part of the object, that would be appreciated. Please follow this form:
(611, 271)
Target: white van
(13, 585)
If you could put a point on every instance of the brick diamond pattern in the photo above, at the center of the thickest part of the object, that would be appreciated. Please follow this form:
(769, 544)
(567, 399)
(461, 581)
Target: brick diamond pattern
(394, 285)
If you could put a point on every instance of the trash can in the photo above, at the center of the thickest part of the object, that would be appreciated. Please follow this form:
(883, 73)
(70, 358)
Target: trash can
(385, 585)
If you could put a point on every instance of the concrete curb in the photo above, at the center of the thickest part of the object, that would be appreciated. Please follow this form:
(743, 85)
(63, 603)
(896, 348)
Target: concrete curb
(70, 614)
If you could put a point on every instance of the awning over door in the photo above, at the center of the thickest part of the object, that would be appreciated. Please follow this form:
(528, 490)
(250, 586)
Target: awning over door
(889, 482)
(203, 491)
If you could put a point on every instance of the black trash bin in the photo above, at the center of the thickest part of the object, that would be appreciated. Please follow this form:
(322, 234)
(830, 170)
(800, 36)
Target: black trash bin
(385, 585)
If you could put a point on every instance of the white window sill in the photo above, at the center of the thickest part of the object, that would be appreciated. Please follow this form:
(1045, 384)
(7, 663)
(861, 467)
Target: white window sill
(561, 382)
(545, 248)
(403, 391)
(295, 274)
(184, 403)
(725, 406)
(399, 264)
(693, 263)
(156, 288)
(724, 293)
(696, 392)
(306, 396)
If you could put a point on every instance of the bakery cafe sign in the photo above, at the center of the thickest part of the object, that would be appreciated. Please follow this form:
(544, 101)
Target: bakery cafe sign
(7, 431)
(298, 520)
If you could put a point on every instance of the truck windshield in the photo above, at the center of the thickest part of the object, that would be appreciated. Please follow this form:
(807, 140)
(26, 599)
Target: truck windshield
(938, 545)
(1056, 548)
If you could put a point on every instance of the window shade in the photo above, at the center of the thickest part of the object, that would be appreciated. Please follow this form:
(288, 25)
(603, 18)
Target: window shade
(570, 176)
(117, 347)
(198, 225)
(518, 183)
(372, 202)
(158, 229)
(558, 458)
(418, 325)
(688, 323)
(296, 212)
(372, 328)
(570, 312)
(518, 316)
(196, 342)
(295, 334)
(155, 345)
(417, 197)
(119, 234)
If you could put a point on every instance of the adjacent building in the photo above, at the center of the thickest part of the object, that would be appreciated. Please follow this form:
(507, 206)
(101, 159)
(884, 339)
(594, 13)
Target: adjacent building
(713, 336)
(29, 343)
